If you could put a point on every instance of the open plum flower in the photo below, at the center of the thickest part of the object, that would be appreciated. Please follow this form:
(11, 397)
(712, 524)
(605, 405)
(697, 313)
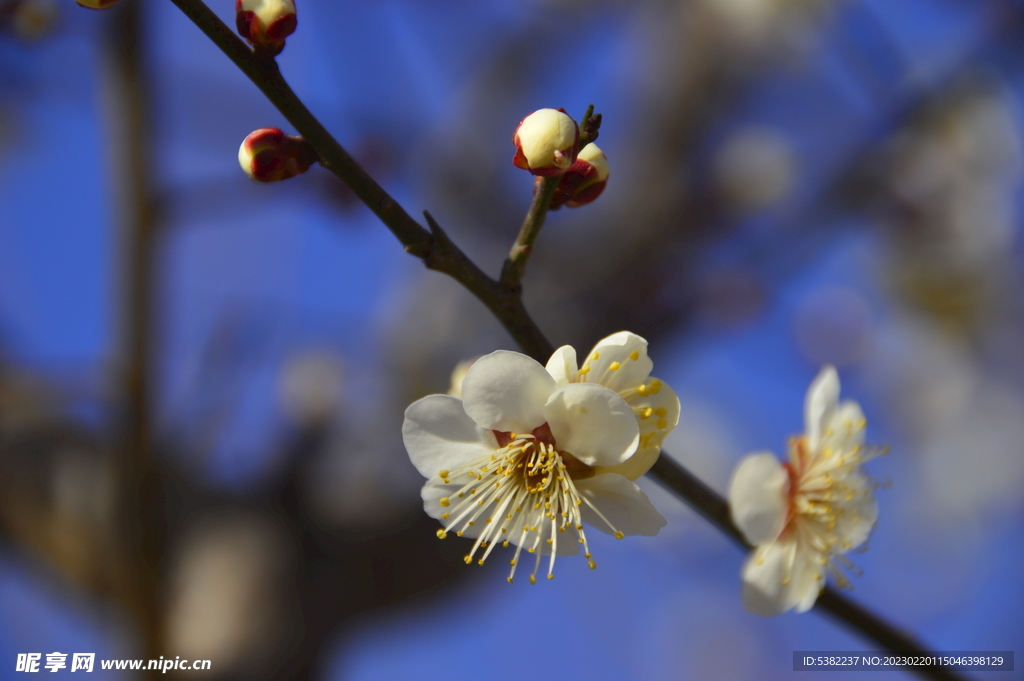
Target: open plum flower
(531, 453)
(803, 515)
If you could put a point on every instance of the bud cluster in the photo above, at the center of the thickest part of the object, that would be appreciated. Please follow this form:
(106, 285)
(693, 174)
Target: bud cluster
(548, 145)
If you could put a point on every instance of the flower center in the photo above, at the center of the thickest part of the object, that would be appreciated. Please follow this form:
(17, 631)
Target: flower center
(826, 491)
(523, 492)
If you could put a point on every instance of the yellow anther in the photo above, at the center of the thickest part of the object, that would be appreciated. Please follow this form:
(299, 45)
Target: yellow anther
(480, 562)
(441, 534)
(471, 523)
(642, 390)
(587, 555)
(662, 424)
(458, 534)
(468, 559)
(596, 356)
(635, 355)
(614, 366)
(591, 564)
(533, 579)
(488, 521)
(505, 543)
(550, 576)
(584, 371)
(509, 580)
(533, 529)
(531, 551)
(445, 516)
(655, 387)
(446, 502)
(444, 474)
(661, 411)
(646, 413)
(550, 541)
(619, 534)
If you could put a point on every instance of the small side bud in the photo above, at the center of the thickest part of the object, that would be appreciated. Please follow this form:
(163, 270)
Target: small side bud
(269, 155)
(585, 180)
(97, 4)
(265, 23)
(547, 142)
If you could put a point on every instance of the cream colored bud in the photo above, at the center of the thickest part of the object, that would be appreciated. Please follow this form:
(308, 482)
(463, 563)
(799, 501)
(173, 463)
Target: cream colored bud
(266, 23)
(585, 181)
(269, 155)
(547, 142)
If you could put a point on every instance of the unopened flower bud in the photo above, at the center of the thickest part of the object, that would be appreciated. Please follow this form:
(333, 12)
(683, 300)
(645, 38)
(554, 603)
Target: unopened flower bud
(97, 4)
(585, 180)
(547, 142)
(269, 155)
(265, 23)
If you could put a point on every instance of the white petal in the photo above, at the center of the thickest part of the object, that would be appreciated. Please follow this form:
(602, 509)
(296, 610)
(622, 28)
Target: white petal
(654, 428)
(506, 391)
(781, 576)
(822, 399)
(858, 515)
(614, 366)
(562, 365)
(620, 501)
(759, 497)
(592, 423)
(439, 435)
(843, 428)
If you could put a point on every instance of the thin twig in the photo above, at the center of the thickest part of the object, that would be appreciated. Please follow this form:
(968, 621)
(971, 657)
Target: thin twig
(440, 253)
(515, 266)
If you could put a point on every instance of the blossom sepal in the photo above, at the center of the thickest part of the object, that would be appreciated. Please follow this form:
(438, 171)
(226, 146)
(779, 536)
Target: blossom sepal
(584, 181)
(269, 155)
(547, 142)
(97, 4)
(266, 23)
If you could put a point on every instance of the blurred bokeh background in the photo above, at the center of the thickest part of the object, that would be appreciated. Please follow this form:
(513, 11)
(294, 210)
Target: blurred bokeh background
(202, 379)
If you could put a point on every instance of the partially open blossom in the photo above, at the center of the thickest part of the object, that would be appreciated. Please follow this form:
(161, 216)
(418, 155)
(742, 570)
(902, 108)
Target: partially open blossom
(265, 23)
(802, 516)
(531, 452)
(97, 4)
(269, 155)
(584, 181)
(547, 142)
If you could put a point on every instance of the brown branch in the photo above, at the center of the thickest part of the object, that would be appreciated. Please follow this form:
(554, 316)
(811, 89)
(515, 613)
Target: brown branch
(438, 252)
(515, 265)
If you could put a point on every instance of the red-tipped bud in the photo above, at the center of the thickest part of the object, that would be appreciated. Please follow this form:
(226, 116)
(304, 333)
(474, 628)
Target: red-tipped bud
(266, 23)
(547, 142)
(97, 4)
(269, 155)
(585, 180)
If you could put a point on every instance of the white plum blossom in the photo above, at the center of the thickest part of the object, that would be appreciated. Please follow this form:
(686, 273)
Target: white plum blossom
(530, 452)
(802, 516)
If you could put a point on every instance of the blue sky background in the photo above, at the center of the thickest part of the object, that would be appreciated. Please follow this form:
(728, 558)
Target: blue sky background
(298, 275)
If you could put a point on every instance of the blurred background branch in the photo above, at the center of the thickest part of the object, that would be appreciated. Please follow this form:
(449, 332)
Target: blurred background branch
(792, 183)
